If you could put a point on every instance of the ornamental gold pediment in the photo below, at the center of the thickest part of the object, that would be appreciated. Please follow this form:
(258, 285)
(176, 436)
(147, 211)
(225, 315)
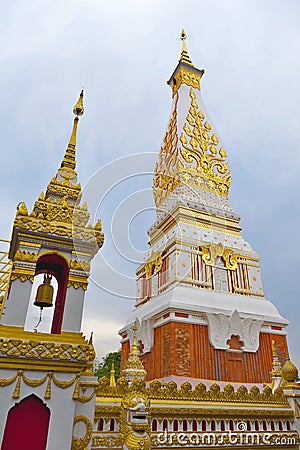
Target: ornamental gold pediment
(212, 251)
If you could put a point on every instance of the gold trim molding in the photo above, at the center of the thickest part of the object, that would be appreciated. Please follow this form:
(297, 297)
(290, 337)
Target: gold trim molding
(184, 76)
(34, 349)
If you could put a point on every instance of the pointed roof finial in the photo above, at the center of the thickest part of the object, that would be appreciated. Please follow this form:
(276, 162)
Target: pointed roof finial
(134, 349)
(185, 57)
(134, 366)
(112, 381)
(78, 109)
(69, 161)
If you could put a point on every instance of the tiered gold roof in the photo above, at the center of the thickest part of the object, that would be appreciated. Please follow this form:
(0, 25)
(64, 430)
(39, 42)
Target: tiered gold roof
(58, 211)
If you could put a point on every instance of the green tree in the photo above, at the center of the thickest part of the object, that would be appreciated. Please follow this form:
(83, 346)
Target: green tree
(103, 368)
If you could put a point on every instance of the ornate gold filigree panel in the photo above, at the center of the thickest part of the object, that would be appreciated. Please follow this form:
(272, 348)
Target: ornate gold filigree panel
(201, 155)
(185, 76)
(107, 441)
(165, 179)
(59, 217)
(195, 160)
(33, 349)
(170, 392)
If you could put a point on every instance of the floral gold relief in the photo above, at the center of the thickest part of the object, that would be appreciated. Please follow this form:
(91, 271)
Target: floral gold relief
(33, 349)
(185, 76)
(195, 159)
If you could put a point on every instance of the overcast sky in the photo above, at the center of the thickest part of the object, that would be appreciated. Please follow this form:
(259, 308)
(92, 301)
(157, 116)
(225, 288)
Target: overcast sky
(123, 52)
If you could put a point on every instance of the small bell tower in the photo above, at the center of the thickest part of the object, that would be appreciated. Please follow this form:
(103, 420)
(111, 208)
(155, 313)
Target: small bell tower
(49, 373)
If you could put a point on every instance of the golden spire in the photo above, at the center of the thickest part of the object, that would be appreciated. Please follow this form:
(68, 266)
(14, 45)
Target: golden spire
(69, 160)
(78, 109)
(112, 381)
(185, 57)
(134, 349)
(134, 366)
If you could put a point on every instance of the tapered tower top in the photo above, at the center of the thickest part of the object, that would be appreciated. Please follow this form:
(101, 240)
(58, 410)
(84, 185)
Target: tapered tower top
(192, 162)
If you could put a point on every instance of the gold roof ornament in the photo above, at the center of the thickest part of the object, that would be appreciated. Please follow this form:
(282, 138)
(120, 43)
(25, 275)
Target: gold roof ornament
(69, 160)
(185, 57)
(78, 109)
(112, 380)
(134, 349)
(289, 370)
(134, 367)
(191, 154)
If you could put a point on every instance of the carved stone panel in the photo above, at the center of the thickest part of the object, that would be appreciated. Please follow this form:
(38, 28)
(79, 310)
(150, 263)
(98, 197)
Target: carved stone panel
(182, 345)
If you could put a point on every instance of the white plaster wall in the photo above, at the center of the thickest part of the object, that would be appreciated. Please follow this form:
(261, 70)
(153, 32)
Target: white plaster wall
(191, 300)
(73, 309)
(85, 409)
(16, 305)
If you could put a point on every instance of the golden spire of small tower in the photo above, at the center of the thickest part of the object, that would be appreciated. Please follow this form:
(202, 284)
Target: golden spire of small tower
(185, 57)
(134, 349)
(112, 381)
(134, 367)
(69, 160)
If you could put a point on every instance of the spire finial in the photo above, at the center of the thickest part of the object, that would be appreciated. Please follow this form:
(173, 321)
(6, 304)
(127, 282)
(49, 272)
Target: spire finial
(69, 161)
(134, 366)
(134, 349)
(185, 57)
(112, 381)
(78, 109)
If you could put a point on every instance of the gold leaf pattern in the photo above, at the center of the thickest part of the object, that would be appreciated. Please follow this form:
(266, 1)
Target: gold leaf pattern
(46, 350)
(194, 160)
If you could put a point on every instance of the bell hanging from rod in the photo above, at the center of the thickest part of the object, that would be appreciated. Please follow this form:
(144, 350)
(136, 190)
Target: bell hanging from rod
(44, 294)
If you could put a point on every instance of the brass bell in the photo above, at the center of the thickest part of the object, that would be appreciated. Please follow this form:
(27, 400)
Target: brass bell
(44, 294)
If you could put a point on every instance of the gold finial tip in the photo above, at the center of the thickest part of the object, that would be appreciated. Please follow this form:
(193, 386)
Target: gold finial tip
(78, 109)
(183, 35)
(135, 326)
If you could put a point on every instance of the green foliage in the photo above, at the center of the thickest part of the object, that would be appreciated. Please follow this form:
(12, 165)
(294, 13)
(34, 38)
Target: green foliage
(103, 368)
